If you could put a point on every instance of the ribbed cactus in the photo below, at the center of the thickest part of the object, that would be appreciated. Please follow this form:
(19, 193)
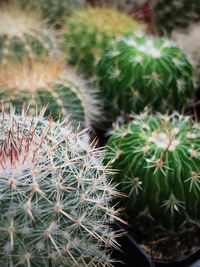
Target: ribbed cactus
(159, 168)
(50, 82)
(136, 72)
(23, 34)
(173, 14)
(88, 33)
(54, 195)
(54, 11)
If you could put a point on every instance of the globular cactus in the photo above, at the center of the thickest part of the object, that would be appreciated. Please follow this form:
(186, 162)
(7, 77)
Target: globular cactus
(159, 168)
(50, 82)
(173, 14)
(136, 72)
(88, 33)
(54, 195)
(54, 11)
(23, 34)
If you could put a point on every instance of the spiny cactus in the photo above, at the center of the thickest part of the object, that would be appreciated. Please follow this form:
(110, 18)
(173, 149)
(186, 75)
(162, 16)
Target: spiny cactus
(54, 11)
(23, 34)
(54, 195)
(50, 82)
(88, 33)
(139, 71)
(173, 14)
(159, 168)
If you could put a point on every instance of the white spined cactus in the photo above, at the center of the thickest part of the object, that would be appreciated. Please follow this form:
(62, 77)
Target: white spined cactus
(54, 195)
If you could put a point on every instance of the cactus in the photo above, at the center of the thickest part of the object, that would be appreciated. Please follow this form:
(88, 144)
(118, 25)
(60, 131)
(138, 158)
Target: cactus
(173, 14)
(50, 82)
(159, 168)
(89, 32)
(23, 34)
(54, 195)
(139, 71)
(54, 11)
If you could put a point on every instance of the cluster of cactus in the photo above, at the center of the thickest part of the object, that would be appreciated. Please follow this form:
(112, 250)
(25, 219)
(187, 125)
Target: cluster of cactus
(173, 14)
(54, 195)
(54, 11)
(23, 34)
(159, 168)
(49, 82)
(88, 33)
(139, 71)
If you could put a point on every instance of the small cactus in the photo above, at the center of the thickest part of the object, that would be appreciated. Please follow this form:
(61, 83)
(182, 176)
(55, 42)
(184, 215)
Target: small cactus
(88, 33)
(54, 195)
(158, 158)
(50, 82)
(23, 34)
(175, 14)
(136, 72)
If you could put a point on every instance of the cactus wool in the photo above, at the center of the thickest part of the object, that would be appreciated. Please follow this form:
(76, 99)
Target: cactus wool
(159, 159)
(54, 195)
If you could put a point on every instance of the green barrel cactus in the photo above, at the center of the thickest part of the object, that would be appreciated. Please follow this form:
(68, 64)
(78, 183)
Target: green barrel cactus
(136, 72)
(23, 34)
(50, 82)
(158, 158)
(54, 195)
(54, 11)
(88, 33)
(173, 14)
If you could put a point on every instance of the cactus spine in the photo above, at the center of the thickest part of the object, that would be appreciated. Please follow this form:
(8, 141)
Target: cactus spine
(50, 82)
(136, 72)
(159, 161)
(54, 195)
(89, 32)
(23, 34)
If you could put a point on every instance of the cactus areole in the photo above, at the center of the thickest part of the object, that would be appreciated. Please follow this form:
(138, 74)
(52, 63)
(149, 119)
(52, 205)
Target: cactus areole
(54, 195)
(160, 168)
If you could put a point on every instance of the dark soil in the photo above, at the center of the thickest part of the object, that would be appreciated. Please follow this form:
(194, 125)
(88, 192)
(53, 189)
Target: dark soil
(161, 244)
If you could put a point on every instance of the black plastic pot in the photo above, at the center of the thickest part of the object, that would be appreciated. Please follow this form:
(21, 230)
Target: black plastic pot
(132, 255)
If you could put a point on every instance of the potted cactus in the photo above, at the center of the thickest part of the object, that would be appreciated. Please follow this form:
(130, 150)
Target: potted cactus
(158, 161)
(50, 82)
(88, 33)
(55, 196)
(139, 72)
(23, 34)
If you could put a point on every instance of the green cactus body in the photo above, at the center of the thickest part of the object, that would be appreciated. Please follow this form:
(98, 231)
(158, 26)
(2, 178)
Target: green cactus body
(54, 11)
(173, 14)
(159, 168)
(51, 83)
(23, 34)
(144, 71)
(89, 32)
(54, 195)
